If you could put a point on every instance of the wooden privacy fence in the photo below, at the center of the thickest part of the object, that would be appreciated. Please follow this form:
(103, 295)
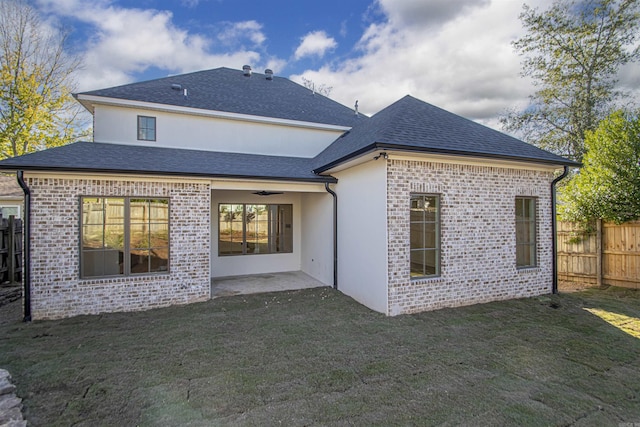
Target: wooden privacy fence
(10, 250)
(608, 254)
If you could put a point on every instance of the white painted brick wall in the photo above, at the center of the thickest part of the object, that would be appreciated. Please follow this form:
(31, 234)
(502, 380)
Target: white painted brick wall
(57, 290)
(478, 261)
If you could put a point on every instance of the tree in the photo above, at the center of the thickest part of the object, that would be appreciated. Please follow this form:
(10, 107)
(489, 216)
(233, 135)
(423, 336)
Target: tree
(573, 52)
(37, 109)
(322, 89)
(608, 186)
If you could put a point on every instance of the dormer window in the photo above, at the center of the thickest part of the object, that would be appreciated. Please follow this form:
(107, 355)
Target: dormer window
(146, 128)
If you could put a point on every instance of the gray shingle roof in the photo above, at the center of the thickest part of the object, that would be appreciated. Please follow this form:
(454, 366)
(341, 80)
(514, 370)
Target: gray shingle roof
(413, 125)
(228, 90)
(407, 125)
(116, 158)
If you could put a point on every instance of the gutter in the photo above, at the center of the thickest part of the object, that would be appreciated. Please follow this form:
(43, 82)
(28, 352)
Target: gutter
(26, 249)
(554, 258)
(335, 234)
(403, 148)
(316, 179)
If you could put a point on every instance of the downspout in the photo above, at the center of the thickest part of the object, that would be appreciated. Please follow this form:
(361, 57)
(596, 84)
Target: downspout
(554, 258)
(335, 234)
(26, 249)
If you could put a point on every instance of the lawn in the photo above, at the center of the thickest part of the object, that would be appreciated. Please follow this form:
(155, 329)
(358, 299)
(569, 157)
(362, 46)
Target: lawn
(316, 357)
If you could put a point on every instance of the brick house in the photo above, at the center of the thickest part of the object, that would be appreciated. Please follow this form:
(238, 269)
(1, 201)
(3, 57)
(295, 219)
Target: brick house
(225, 172)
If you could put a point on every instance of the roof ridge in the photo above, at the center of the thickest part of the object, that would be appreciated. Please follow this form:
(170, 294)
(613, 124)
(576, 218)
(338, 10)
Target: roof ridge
(228, 90)
(410, 124)
(157, 79)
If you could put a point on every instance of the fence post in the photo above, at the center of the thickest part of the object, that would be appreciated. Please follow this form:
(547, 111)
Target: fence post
(599, 252)
(11, 265)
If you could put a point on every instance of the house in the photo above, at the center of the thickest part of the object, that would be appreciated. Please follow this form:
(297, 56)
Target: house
(11, 197)
(226, 172)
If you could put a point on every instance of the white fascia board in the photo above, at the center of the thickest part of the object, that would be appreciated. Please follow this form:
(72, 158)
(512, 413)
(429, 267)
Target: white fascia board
(444, 158)
(114, 176)
(216, 183)
(92, 99)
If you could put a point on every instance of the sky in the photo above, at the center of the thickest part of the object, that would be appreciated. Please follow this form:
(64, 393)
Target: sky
(455, 54)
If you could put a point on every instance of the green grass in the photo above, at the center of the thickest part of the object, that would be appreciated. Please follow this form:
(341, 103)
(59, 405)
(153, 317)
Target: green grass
(316, 357)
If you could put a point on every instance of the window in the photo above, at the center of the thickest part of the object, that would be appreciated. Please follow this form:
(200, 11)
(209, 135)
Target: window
(7, 210)
(146, 128)
(247, 229)
(525, 232)
(425, 235)
(124, 236)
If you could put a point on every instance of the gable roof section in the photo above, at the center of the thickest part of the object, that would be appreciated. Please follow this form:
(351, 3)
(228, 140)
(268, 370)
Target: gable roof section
(228, 90)
(94, 157)
(413, 125)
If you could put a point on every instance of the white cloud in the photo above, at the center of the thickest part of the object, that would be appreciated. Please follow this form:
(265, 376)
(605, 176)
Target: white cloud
(455, 54)
(316, 43)
(465, 63)
(426, 13)
(130, 41)
(237, 31)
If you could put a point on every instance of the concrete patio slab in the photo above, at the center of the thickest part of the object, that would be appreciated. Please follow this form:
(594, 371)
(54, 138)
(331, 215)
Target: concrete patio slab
(257, 283)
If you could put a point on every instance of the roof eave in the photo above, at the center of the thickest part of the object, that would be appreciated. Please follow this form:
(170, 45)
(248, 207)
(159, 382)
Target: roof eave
(319, 179)
(343, 159)
(86, 104)
(397, 147)
(90, 100)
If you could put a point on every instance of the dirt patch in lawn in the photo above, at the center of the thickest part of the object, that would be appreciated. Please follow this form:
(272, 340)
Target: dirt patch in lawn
(316, 357)
(577, 286)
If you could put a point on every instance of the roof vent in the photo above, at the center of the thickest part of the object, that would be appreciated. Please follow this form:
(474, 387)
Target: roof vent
(176, 86)
(246, 70)
(268, 73)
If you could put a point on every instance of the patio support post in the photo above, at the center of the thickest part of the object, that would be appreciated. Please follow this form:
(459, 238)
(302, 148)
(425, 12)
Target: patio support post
(554, 256)
(335, 234)
(26, 249)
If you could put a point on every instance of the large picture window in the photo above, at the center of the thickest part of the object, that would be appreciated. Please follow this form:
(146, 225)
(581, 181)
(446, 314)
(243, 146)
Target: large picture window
(525, 232)
(122, 236)
(425, 235)
(247, 229)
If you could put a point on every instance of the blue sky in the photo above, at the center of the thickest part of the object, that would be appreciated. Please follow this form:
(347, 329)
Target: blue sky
(455, 54)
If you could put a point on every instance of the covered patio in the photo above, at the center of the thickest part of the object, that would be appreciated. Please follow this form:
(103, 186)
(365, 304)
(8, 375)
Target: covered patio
(270, 236)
